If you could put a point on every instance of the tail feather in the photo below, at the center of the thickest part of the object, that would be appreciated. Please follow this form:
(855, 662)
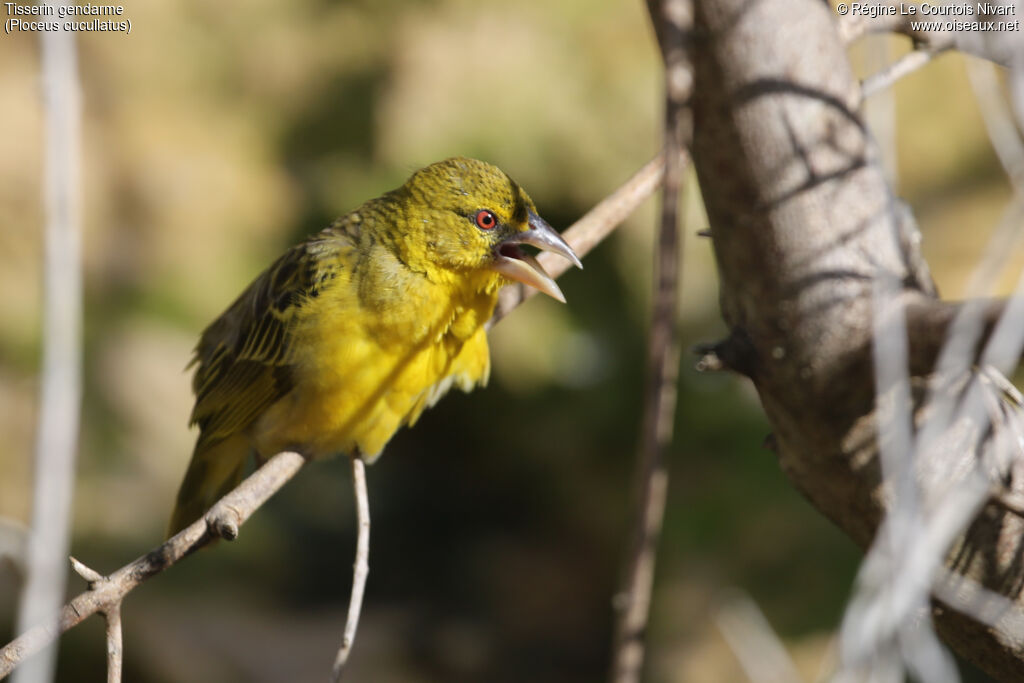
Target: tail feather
(215, 469)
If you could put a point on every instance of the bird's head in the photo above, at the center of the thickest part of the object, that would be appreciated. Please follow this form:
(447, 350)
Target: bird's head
(469, 218)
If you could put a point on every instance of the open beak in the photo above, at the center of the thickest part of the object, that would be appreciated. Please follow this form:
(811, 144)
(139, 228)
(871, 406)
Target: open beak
(515, 264)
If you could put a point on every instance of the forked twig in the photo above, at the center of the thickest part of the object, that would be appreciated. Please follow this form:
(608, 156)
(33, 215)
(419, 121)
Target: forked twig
(112, 615)
(233, 509)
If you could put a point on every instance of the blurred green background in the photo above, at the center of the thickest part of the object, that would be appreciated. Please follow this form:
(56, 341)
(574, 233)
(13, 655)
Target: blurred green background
(215, 135)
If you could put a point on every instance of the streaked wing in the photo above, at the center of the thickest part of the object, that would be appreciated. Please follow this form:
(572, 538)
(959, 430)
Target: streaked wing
(244, 357)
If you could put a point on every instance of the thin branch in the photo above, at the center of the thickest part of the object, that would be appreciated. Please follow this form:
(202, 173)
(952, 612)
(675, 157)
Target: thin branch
(671, 19)
(91, 576)
(930, 323)
(112, 615)
(236, 507)
(1009, 500)
(927, 512)
(882, 624)
(114, 643)
(999, 47)
(882, 630)
(949, 336)
(57, 432)
(231, 511)
(967, 596)
(750, 637)
(1016, 83)
(633, 600)
(975, 322)
(879, 114)
(360, 569)
(854, 26)
(997, 113)
(905, 65)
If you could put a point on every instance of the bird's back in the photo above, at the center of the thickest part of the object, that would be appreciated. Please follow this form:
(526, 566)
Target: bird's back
(336, 346)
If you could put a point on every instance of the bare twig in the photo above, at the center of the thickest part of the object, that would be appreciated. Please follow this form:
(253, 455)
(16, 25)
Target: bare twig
(114, 643)
(927, 512)
(930, 323)
(112, 615)
(854, 26)
(236, 506)
(760, 652)
(709, 361)
(879, 114)
(907, 64)
(1000, 47)
(882, 631)
(1016, 82)
(983, 605)
(1009, 500)
(91, 576)
(671, 19)
(360, 569)
(1000, 124)
(57, 434)
(949, 336)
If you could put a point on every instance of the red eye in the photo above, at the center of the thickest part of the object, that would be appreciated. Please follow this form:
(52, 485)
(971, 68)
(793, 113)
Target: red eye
(485, 220)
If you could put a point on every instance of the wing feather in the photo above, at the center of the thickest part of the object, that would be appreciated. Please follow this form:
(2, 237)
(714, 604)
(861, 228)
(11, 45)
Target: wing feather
(244, 358)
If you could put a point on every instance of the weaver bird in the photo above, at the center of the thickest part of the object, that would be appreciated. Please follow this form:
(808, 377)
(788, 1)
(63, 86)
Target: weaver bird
(352, 333)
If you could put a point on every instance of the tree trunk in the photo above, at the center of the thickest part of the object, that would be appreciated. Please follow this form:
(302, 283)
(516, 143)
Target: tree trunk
(804, 225)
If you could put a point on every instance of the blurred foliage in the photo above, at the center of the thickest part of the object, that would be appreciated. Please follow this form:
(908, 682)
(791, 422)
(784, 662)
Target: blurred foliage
(218, 133)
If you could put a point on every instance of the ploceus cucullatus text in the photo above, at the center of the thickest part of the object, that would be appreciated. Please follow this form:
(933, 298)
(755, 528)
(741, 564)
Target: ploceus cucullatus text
(352, 333)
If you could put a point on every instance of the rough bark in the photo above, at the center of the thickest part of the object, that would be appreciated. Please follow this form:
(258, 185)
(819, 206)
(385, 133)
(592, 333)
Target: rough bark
(802, 222)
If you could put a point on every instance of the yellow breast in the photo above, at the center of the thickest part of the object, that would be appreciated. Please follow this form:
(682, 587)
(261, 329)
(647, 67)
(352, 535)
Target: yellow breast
(366, 366)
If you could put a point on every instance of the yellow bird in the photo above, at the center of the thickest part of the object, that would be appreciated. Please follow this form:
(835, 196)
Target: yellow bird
(352, 333)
